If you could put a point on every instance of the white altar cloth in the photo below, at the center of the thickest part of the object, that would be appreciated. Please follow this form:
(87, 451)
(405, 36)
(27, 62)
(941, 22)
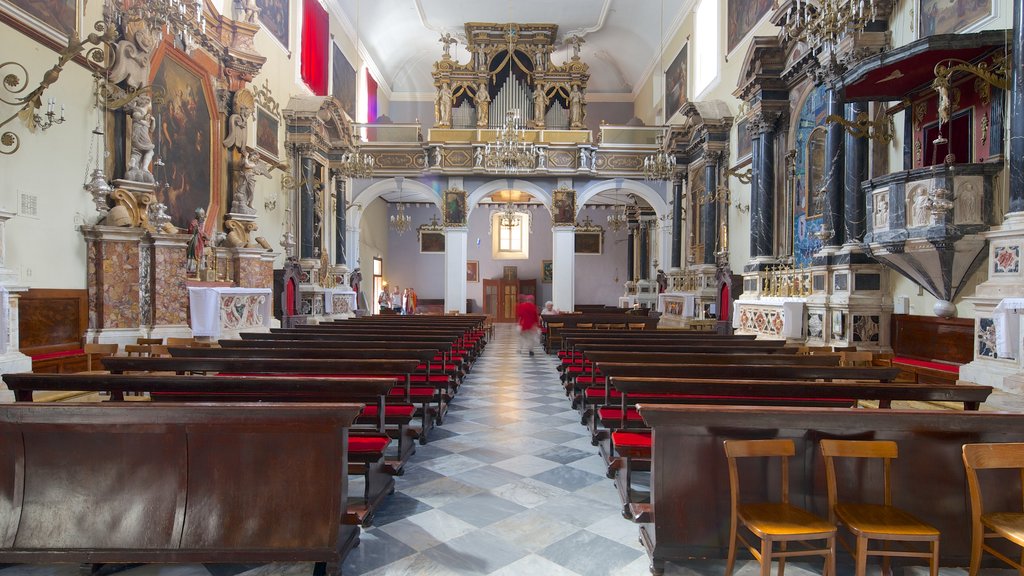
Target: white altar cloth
(214, 311)
(1006, 318)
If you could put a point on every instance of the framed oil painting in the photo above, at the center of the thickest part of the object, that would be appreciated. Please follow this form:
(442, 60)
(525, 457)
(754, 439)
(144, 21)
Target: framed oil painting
(344, 82)
(184, 136)
(949, 16)
(744, 143)
(563, 207)
(675, 83)
(267, 130)
(472, 271)
(545, 272)
(274, 17)
(53, 19)
(431, 242)
(743, 16)
(589, 242)
(454, 207)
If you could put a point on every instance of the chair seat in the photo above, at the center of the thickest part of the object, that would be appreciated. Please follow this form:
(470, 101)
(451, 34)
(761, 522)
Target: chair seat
(877, 521)
(783, 521)
(1009, 525)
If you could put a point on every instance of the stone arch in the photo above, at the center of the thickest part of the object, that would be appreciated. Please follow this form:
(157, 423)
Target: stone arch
(652, 196)
(492, 186)
(364, 197)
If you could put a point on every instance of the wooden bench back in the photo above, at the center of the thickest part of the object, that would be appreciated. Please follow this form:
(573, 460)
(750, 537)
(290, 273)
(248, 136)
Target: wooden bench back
(758, 347)
(697, 358)
(747, 372)
(420, 354)
(261, 365)
(336, 343)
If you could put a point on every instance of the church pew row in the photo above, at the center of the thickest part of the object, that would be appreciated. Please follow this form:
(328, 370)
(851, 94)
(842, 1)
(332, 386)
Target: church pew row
(367, 446)
(113, 483)
(690, 514)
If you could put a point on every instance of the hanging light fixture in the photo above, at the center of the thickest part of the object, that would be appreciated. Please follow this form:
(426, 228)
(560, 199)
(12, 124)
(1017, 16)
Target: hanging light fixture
(823, 23)
(400, 221)
(355, 163)
(660, 165)
(619, 218)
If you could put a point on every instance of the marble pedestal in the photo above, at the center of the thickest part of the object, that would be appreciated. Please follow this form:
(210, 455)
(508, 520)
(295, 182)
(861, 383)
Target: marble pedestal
(164, 295)
(114, 283)
(11, 359)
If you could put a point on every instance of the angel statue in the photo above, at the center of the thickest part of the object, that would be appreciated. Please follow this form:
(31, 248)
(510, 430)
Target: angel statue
(238, 128)
(140, 109)
(250, 11)
(448, 40)
(249, 166)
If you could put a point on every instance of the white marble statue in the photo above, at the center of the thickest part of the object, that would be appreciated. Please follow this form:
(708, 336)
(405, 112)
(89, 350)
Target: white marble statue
(142, 147)
(443, 107)
(483, 103)
(250, 11)
(249, 166)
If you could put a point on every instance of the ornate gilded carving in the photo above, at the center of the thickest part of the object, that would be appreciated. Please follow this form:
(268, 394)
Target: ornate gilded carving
(239, 233)
(131, 209)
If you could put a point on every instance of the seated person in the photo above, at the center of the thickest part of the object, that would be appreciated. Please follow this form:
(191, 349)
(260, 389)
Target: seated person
(549, 308)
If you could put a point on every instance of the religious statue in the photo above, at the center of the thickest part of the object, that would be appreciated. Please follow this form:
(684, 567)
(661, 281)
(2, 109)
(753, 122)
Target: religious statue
(448, 40)
(483, 103)
(481, 58)
(443, 106)
(250, 11)
(478, 157)
(238, 130)
(540, 104)
(542, 159)
(576, 110)
(140, 109)
(195, 249)
(920, 208)
(576, 42)
(249, 166)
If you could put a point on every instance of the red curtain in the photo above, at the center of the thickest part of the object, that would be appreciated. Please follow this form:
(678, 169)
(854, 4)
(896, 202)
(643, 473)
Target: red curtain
(371, 97)
(315, 41)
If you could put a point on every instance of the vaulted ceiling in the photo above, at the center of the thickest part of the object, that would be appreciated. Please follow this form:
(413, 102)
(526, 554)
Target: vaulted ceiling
(622, 36)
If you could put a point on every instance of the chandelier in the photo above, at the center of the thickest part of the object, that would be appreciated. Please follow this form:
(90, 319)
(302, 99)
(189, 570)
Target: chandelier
(618, 220)
(825, 22)
(660, 165)
(356, 164)
(508, 217)
(184, 18)
(511, 153)
(400, 221)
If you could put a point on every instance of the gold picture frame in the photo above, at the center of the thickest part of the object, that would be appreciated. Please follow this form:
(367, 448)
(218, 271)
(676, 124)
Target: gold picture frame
(546, 272)
(472, 270)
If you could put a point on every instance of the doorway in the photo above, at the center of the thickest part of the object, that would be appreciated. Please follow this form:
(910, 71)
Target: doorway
(378, 284)
(501, 296)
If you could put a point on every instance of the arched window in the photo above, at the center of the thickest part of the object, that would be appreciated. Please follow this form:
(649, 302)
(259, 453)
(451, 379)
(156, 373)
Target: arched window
(705, 46)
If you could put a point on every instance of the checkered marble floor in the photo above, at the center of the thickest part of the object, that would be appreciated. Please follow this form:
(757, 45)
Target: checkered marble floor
(509, 485)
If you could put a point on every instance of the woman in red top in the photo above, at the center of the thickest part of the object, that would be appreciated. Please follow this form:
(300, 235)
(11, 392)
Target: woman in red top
(529, 328)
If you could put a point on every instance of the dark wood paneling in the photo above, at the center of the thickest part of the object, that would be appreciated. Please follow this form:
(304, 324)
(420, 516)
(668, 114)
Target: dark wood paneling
(52, 320)
(932, 338)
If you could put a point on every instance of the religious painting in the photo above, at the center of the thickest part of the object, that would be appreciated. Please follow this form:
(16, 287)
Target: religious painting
(563, 207)
(267, 128)
(743, 16)
(744, 142)
(454, 207)
(815, 175)
(55, 19)
(274, 17)
(344, 83)
(588, 242)
(546, 272)
(431, 242)
(472, 270)
(949, 16)
(675, 84)
(184, 134)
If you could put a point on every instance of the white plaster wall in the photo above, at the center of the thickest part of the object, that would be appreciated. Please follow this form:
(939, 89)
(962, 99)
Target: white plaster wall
(373, 240)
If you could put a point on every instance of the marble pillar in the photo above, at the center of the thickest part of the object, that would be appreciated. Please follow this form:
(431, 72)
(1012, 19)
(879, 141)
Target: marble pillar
(167, 314)
(856, 169)
(307, 202)
(709, 210)
(11, 359)
(645, 251)
(677, 219)
(762, 202)
(339, 220)
(835, 174)
(563, 267)
(456, 246)
(631, 254)
(113, 278)
(1016, 157)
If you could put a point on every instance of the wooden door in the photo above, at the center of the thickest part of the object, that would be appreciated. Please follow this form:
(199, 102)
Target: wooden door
(492, 298)
(509, 301)
(529, 288)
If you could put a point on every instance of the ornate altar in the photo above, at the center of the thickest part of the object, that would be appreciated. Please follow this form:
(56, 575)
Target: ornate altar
(225, 312)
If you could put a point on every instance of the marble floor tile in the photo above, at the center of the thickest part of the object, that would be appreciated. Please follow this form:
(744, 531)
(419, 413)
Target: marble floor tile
(487, 477)
(534, 564)
(439, 492)
(532, 530)
(482, 509)
(588, 553)
(528, 493)
(475, 553)
(568, 478)
(376, 548)
(527, 465)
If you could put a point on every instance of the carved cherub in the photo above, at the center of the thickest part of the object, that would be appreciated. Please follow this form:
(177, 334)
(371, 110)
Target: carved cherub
(448, 40)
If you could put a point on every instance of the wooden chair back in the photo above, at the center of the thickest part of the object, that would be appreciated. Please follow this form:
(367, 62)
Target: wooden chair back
(862, 358)
(832, 449)
(150, 341)
(137, 349)
(585, 326)
(94, 350)
(636, 326)
(180, 342)
(995, 456)
(734, 449)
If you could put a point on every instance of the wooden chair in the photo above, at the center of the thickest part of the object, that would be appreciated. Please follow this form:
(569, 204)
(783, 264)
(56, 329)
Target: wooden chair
(865, 358)
(774, 522)
(159, 350)
(453, 312)
(636, 326)
(150, 341)
(603, 326)
(137, 349)
(1005, 525)
(616, 326)
(585, 326)
(181, 342)
(97, 351)
(876, 521)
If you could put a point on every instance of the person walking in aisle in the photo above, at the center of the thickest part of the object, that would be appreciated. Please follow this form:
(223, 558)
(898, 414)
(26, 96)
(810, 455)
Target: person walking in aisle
(526, 316)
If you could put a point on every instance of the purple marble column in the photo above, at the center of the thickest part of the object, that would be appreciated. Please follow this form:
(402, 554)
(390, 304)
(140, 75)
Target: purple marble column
(677, 218)
(834, 171)
(1017, 113)
(762, 201)
(856, 165)
(709, 211)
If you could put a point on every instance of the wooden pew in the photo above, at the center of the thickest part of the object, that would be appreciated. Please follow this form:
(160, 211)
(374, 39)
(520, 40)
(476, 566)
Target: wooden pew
(112, 483)
(691, 510)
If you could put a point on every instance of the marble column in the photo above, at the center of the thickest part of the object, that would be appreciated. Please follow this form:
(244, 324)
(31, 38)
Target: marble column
(709, 210)
(645, 251)
(835, 174)
(762, 201)
(563, 267)
(307, 201)
(630, 254)
(455, 249)
(677, 219)
(856, 169)
(1017, 114)
(339, 220)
